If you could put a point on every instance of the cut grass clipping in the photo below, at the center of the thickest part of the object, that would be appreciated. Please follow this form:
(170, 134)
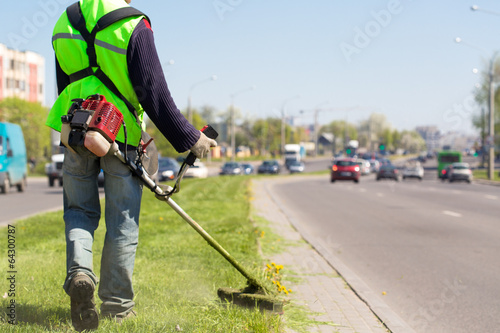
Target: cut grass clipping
(176, 275)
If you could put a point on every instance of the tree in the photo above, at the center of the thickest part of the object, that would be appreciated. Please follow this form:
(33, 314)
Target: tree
(31, 117)
(267, 134)
(341, 129)
(375, 129)
(412, 142)
(482, 97)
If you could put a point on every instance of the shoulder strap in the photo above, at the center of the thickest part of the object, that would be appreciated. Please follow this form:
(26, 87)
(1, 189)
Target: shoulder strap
(115, 16)
(77, 20)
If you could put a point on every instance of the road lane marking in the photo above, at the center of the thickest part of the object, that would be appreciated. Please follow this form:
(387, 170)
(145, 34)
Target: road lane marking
(379, 194)
(450, 213)
(489, 196)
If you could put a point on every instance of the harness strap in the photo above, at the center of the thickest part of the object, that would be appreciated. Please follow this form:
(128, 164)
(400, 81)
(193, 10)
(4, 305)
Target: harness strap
(77, 20)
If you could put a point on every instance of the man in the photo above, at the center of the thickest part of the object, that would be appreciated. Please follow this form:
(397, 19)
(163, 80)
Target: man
(120, 62)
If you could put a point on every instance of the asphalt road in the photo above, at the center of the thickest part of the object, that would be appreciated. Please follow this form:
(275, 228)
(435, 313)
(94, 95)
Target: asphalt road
(430, 249)
(37, 198)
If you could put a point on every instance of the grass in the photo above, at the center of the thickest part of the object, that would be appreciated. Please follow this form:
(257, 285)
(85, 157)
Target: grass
(176, 276)
(483, 174)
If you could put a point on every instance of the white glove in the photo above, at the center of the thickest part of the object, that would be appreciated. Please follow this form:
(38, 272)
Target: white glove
(202, 147)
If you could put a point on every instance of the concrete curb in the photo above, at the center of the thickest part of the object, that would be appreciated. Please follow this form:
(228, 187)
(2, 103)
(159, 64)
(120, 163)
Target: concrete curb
(388, 317)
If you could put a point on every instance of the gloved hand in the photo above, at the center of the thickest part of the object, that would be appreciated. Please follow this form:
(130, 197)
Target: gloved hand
(202, 146)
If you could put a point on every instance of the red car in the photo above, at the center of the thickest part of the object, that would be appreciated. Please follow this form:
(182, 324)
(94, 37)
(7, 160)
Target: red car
(345, 169)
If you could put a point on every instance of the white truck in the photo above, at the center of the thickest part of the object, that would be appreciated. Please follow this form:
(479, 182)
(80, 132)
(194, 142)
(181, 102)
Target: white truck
(293, 152)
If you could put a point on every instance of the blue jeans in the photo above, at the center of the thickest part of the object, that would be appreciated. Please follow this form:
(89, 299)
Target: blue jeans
(82, 211)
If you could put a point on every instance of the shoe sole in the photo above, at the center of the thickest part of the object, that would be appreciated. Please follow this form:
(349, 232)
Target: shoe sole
(83, 312)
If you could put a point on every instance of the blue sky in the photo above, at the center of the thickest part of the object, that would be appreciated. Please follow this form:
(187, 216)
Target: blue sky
(396, 57)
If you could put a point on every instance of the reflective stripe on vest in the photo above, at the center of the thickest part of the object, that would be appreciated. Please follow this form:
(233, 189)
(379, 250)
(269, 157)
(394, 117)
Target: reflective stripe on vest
(100, 43)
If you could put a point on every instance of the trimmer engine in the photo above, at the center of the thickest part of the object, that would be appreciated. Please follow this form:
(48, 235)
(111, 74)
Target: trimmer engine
(92, 123)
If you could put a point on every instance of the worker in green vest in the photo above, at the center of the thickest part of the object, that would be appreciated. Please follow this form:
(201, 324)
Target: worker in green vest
(106, 47)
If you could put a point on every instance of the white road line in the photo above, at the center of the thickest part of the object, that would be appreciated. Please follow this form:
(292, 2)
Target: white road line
(450, 213)
(489, 196)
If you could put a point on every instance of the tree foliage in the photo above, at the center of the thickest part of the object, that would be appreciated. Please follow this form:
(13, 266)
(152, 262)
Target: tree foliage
(482, 97)
(31, 117)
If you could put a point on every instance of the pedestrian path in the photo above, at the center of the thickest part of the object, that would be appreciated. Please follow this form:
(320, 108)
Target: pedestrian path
(315, 284)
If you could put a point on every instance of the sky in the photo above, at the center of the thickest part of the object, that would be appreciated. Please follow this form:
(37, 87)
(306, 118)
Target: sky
(346, 59)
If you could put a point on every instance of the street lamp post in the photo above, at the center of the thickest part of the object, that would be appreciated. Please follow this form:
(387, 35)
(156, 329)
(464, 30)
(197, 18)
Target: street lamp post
(476, 8)
(189, 111)
(233, 127)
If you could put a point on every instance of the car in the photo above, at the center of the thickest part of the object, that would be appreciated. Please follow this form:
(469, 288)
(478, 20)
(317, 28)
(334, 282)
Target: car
(167, 169)
(345, 169)
(388, 172)
(446, 172)
(374, 165)
(231, 168)
(296, 167)
(54, 170)
(197, 170)
(248, 169)
(13, 161)
(384, 161)
(460, 171)
(269, 167)
(364, 166)
(413, 169)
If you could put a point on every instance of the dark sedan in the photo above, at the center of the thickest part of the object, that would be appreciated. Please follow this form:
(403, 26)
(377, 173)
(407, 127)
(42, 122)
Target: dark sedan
(248, 169)
(167, 169)
(269, 166)
(388, 172)
(231, 168)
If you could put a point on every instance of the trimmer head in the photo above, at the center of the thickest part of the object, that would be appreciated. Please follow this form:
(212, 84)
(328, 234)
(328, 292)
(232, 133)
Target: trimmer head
(251, 297)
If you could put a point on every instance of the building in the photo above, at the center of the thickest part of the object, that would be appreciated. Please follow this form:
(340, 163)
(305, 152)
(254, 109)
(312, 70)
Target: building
(431, 136)
(22, 74)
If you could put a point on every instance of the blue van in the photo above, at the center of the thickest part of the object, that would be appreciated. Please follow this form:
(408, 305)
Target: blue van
(13, 160)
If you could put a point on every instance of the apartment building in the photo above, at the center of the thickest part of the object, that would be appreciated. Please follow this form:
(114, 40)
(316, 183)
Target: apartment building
(22, 74)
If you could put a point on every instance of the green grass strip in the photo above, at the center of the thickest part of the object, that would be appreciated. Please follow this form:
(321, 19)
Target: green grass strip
(176, 275)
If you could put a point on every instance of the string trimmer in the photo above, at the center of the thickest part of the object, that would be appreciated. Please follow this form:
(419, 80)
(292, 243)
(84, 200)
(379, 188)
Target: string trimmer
(255, 294)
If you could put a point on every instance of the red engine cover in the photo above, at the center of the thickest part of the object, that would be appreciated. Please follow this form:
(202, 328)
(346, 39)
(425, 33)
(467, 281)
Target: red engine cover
(107, 119)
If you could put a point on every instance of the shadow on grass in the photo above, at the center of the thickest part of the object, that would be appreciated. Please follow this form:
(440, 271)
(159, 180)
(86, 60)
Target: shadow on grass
(52, 319)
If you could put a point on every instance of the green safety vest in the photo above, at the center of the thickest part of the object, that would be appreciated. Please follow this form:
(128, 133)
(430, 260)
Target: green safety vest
(103, 71)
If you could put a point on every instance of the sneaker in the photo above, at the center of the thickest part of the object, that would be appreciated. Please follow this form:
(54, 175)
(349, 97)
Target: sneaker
(83, 312)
